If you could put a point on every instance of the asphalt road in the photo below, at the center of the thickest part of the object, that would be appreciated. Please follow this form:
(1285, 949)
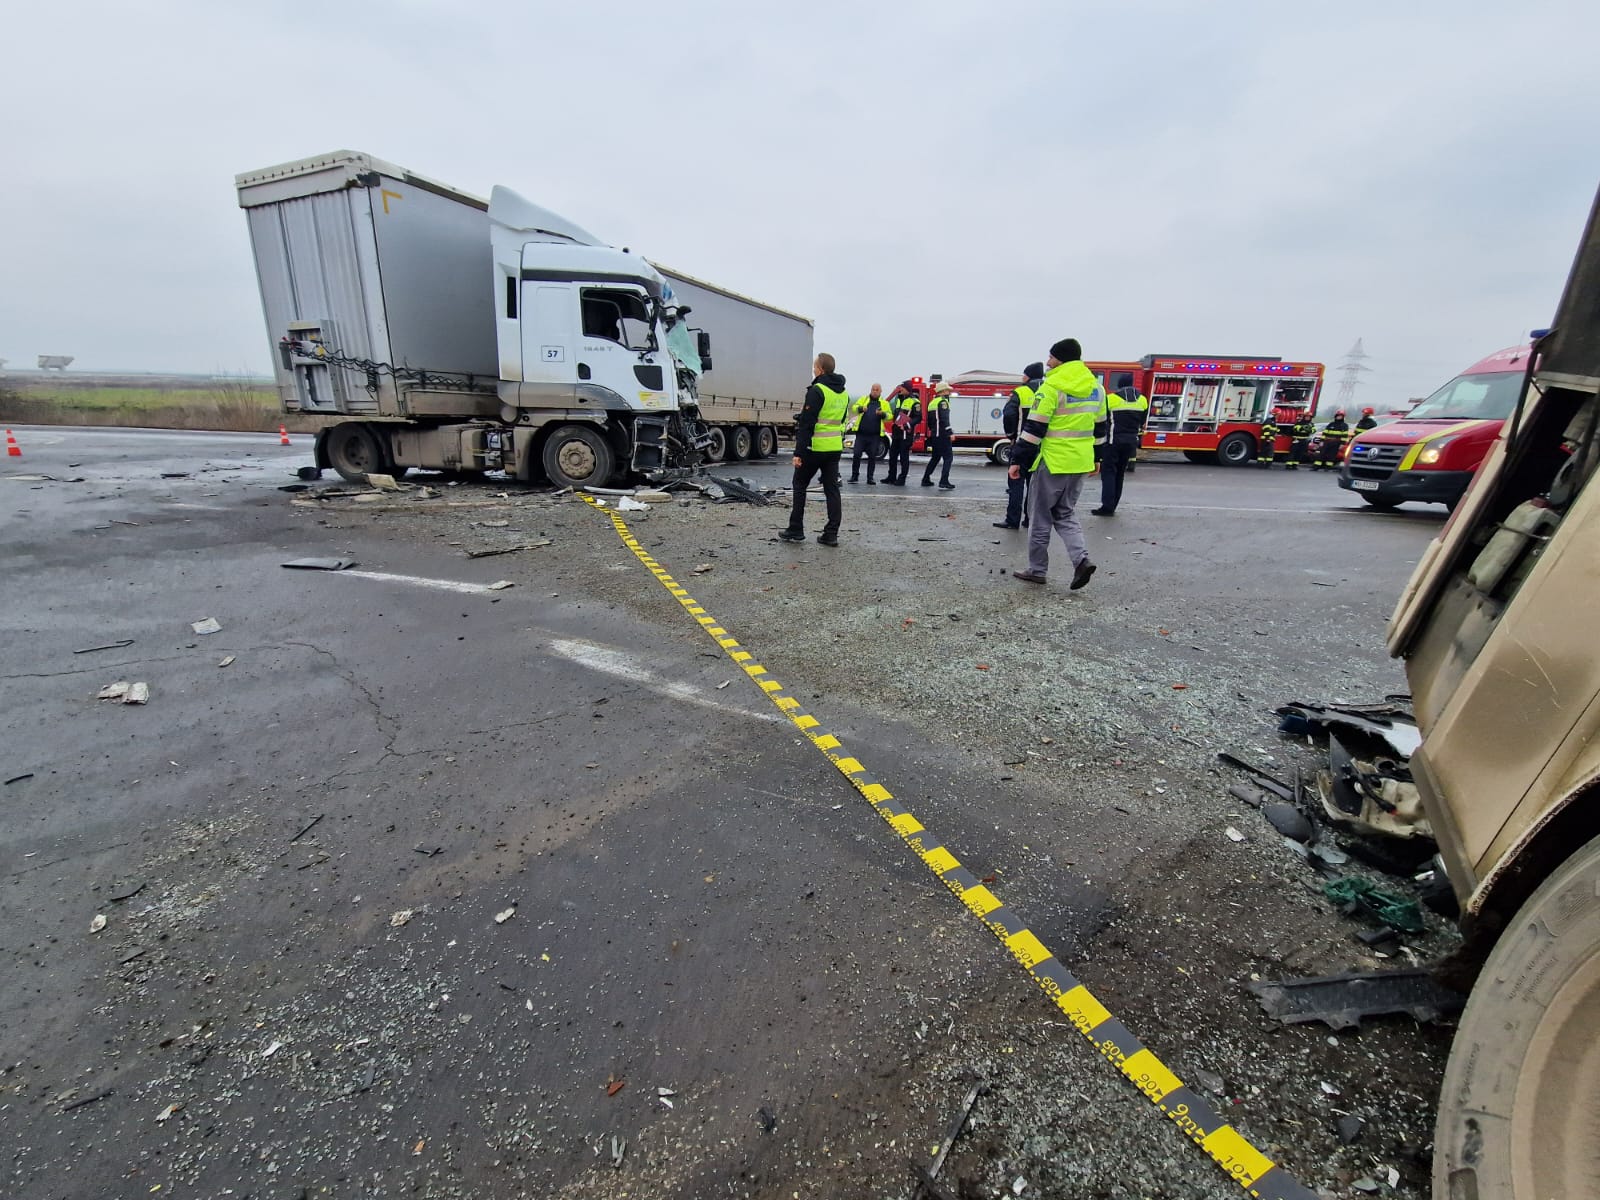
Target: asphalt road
(703, 912)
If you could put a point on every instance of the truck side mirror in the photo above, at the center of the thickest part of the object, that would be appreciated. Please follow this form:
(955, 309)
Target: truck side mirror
(703, 348)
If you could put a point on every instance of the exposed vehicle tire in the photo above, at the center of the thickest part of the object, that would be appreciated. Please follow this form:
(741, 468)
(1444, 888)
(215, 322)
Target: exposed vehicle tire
(354, 451)
(741, 443)
(766, 441)
(1516, 1111)
(1236, 450)
(1379, 502)
(577, 456)
(718, 448)
(1000, 452)
(1201, 456)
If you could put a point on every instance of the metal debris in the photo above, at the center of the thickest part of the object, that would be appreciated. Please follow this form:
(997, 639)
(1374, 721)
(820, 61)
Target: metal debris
(312, 824)
(738, 489)
(123, 644)
(1340, 1001)
(492, 551)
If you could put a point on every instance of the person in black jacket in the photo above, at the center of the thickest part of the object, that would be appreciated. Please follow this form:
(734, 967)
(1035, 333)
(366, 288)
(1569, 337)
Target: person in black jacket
(941, 444)
(1128, 410)
(1020, 401)
(818, 446)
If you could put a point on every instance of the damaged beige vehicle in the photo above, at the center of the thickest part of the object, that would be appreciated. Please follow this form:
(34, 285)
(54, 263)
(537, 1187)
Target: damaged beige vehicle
(1501, 639)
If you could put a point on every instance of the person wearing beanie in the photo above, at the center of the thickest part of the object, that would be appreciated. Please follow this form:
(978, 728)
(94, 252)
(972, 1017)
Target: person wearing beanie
(1020, 401)
(940, 435)
(1058, 447)
(1129, 408)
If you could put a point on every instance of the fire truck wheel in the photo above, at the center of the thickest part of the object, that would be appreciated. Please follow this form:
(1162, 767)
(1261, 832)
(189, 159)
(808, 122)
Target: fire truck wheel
(1516, 1110)
(1236, 450)
(740, 443)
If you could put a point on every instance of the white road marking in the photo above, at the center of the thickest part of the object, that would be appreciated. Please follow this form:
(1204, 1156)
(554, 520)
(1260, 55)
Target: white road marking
(440, 585)
(617, 663)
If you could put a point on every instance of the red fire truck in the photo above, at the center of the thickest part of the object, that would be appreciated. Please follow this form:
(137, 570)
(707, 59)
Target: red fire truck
(1210, 408)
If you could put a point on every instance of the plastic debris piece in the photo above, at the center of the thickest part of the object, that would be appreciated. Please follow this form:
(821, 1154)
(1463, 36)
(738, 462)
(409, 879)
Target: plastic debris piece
(165, 1114)
(500, 918)
(1289, 821)
(1340, 1001)
(1018, 1186)
(664, 1092)
(114, 691)
(417, 1149)
(99, 923)
(321, 564)
(401, 917)
(226, 662)
(723, 684)
(1233, 834)
(1349, 1129)
(208, 625)
(1180, 687)
(501, 585)
(272, 1049)
(384, 483)
(629, 504)
(1365, 1184)
(138, 693)
(1397, 912)
(121, 644)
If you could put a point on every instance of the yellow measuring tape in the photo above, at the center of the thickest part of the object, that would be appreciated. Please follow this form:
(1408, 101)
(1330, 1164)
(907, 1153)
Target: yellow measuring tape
(1246, 1165)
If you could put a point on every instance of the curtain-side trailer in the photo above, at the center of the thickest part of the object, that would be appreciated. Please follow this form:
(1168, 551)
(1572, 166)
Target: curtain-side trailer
(434, 329)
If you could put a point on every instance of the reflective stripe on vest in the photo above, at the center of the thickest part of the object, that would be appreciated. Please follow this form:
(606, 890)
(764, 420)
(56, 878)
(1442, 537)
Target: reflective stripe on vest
(829, 433)
(1067, 447)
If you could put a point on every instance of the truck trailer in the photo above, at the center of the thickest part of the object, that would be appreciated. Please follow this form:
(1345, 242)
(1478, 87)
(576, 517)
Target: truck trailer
(437, 330)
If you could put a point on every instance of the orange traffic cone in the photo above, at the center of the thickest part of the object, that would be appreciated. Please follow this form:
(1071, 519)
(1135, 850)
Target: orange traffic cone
(12, 449)
(283, 436)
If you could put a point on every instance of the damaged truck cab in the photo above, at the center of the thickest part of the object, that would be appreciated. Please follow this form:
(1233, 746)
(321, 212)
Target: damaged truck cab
(1499, 636)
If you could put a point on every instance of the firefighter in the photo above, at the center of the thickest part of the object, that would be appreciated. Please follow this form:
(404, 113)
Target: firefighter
(1128, 408)
(866, 422)
(1300, 435)
(1368, 421)
(941, 450)
(902, 413)
(1269, 440)
(1334, 436)
(1020, 401)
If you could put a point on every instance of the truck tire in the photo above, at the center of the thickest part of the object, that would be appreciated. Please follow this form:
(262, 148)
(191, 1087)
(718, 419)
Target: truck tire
(1201, 456)
(741, 443)
(354, 451)
(1000, 452)
(1236, 449)
(719, 444)
(1379, 502)
(1516, 1111)
(766, 441)
(577, 456)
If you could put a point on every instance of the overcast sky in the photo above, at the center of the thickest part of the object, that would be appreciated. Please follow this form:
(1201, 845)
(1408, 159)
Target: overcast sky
(941, 187)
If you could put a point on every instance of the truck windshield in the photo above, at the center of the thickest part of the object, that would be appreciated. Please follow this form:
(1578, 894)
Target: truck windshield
(1487, 397)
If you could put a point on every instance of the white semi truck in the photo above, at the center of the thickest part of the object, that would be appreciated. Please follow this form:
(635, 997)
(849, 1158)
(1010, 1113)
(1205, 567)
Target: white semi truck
(435, 330)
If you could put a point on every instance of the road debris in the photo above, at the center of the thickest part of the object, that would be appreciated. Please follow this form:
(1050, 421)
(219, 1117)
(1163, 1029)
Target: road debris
(956, 1126)
(629, 504)
(1340, 1001)
(128, 895)
(320, 564)
(99, 923)
(619, 1147)
(1289, 821)
(417, 1149)
(501, 917)
(18, 778)
(206, 626)
(272, 1049)
(114, 691)
(702, 569)
(86, 1100)
(1271, 782)
(384, 483)
(312, 824)
(766, 1120)
(501, 585)
(738, 489)
(493, 551)
(138, 693)
(1355, 894)
(1349, 1129)
(401, 917)
(123, 644)
(309, 473)
(1233, 834)
(615, 1086)
(227, 661)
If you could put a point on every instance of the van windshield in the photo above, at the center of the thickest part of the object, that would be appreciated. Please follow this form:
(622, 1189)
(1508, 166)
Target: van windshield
(1487, 397)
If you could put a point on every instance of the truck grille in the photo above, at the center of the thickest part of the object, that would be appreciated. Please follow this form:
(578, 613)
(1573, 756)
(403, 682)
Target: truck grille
(1375, 462)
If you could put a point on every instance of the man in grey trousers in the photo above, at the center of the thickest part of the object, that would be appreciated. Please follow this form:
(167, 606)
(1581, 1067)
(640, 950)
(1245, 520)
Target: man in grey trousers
(1060, 443)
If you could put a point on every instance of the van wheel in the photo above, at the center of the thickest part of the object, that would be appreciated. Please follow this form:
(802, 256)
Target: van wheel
(577, 456)
(741, 443)
(766, 441)
(1379, 502)
(1516, 1111)
(718, 446)
(354, 451)
(1000, 452)
(1236, 449)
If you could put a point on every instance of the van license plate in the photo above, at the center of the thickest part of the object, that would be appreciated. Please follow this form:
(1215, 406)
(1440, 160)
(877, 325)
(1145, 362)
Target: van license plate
(1364, 485)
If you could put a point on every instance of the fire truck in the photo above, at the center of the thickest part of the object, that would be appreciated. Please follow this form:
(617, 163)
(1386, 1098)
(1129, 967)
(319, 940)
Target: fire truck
(1209, 408)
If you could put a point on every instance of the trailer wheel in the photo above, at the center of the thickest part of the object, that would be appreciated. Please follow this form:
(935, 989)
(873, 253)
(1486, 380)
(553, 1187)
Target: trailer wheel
(354, 451)
(719, 444)
(1236, 449)
(1516, 1111)
(577, 456)
(1000, 452)
(740, 443)
(766, 441)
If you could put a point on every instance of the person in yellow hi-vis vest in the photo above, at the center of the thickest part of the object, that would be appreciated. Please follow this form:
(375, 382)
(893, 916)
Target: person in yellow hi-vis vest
(818, 446)
(1060, 443)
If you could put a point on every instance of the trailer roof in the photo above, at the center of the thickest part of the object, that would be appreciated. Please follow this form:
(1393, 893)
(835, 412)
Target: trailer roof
(332, 172)
(730, 293)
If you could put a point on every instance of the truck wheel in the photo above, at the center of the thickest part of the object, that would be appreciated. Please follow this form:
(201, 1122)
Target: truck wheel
(740, 443)
(1379, 502)
(1201, 456)
(1516, 1111)
(766, 441)
(354, 451)
(1236, 449)
(1000, 452)
(577, 456)
(719, 444)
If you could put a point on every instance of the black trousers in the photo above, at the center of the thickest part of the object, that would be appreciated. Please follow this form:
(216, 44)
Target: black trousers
(940, 450)
(812, 464)
(872, 445)
(1330, 453)
(899, 456)
(1112, 468)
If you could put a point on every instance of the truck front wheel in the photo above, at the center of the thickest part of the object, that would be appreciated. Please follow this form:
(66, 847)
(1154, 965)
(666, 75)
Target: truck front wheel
(354, 451)
(577, 456)
(718, 446)
(1516, 1112)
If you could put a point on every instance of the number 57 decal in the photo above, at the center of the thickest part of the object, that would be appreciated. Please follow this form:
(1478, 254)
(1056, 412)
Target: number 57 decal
(555, 353)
